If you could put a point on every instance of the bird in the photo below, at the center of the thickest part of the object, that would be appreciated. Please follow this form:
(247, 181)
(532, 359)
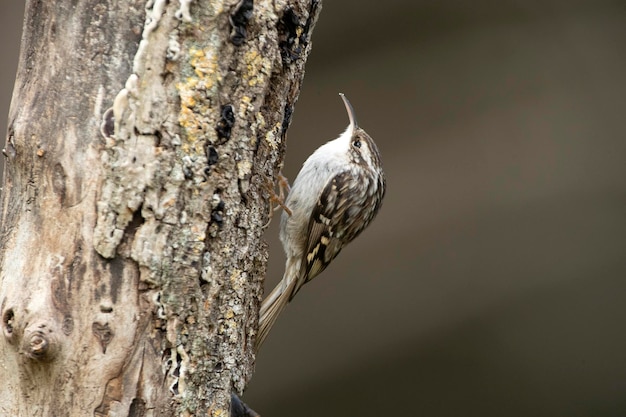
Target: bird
(337, 193)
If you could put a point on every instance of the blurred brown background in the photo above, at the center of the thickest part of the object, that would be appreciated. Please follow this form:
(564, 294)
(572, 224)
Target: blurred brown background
(493, 283)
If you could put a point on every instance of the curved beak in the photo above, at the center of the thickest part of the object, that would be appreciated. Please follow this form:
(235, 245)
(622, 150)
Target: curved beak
(351, 115)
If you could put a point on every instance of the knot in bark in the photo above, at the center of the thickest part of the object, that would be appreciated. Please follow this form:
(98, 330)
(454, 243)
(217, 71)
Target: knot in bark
(40, 343)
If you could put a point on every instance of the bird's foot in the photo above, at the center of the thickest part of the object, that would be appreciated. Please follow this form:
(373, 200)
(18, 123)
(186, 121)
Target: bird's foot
(277, 200)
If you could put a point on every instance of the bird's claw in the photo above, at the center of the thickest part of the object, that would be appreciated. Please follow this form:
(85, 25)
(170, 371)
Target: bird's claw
(277, 198)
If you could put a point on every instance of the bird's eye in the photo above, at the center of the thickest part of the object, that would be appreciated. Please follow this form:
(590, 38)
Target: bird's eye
(357, 143)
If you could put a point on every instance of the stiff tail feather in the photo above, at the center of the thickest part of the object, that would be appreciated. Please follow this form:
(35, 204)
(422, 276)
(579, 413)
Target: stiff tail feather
(276, 301)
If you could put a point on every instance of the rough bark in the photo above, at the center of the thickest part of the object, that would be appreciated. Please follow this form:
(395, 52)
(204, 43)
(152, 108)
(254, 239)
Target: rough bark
(141, 139)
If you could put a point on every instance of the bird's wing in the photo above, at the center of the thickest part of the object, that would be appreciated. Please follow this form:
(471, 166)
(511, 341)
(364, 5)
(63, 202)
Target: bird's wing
(331, 226)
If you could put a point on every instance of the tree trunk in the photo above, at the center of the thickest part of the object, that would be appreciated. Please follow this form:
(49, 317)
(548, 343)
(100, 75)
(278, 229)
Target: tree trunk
(132, 259)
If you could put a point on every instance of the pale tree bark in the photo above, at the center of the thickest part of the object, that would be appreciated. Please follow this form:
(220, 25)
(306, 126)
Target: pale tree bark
(142, 135)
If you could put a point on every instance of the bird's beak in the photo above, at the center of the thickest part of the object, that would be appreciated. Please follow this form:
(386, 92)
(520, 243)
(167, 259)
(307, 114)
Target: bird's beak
(351, 115)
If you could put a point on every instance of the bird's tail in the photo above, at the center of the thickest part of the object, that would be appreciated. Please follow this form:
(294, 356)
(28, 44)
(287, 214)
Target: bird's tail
(276, 301)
